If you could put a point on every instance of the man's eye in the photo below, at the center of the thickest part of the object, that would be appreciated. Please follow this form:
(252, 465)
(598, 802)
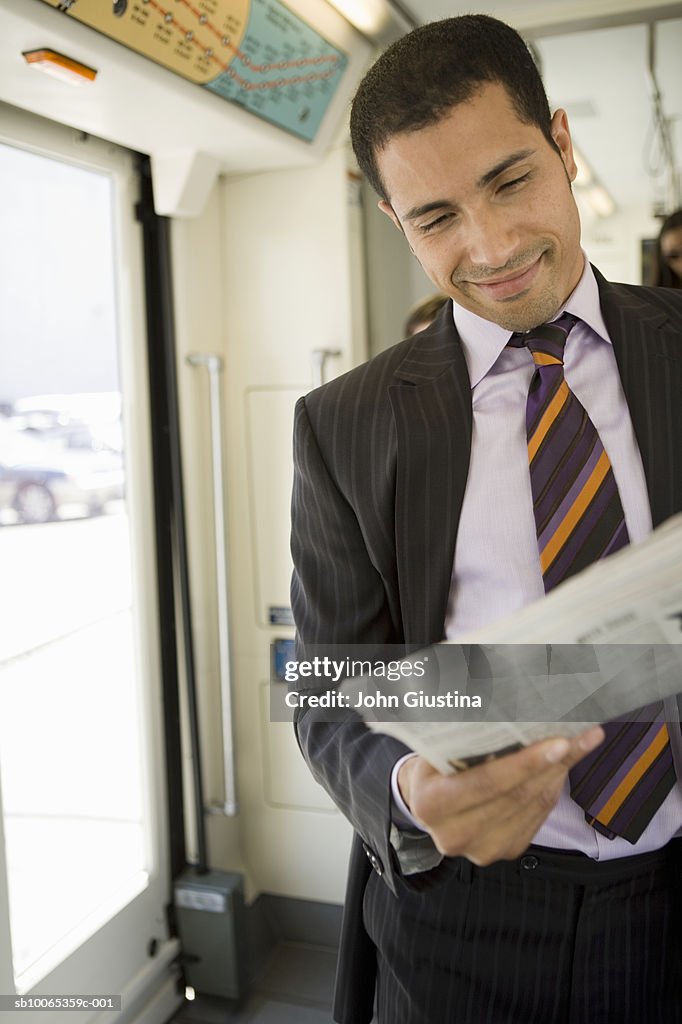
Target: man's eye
(425, 228)
(517, 181)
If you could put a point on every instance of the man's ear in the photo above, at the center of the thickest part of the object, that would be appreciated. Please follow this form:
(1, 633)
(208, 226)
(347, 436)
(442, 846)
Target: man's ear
(390, 213)
(562, 137)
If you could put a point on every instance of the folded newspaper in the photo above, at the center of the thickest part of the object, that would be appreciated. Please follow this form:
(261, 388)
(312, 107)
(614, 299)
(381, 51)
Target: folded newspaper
(600, 646)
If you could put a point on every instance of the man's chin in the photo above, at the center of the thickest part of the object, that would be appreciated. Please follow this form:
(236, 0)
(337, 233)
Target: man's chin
(521, 313)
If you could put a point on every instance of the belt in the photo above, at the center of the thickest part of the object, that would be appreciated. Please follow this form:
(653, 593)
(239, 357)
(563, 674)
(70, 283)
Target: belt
(574, 868)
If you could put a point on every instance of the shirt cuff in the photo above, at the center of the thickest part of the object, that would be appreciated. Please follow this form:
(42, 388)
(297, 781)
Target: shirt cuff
(400, 812)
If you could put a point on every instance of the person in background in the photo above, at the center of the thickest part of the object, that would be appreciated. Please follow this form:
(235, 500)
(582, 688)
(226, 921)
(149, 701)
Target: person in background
(669, 252)
(421, 315)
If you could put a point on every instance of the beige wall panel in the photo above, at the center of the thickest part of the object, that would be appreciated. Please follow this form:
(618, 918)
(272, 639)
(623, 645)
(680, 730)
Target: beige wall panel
(292, 283)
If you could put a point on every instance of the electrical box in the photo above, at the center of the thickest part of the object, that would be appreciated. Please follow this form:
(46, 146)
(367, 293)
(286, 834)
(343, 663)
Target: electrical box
(209, 911)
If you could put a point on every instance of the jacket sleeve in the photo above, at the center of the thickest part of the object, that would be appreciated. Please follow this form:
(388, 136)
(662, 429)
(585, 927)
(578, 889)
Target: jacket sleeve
(338, 600)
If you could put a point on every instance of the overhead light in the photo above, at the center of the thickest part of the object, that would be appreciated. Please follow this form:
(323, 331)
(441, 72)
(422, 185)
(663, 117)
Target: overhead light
(588, 185)
(600, 201)
(60, 66)
(368, 16)
(584, 175)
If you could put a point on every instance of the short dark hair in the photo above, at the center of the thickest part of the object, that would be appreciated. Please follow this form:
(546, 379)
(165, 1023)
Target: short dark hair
(432, 69)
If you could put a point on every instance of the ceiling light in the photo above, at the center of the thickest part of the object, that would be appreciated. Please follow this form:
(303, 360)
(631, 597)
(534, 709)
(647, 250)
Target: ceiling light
(600, 201)
(584, 175)
(588, 185)
(59, 66)
(369, 16)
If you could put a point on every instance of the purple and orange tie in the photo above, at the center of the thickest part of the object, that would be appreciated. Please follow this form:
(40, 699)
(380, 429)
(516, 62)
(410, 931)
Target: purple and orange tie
(579, 519)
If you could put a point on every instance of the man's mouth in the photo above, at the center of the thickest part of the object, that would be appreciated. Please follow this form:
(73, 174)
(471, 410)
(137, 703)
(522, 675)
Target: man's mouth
(511, 284)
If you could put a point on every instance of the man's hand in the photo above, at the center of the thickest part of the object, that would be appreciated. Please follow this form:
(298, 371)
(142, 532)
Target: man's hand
(491, 812)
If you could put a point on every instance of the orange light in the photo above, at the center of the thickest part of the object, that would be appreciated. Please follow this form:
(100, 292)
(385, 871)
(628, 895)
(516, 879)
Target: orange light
(56, 64)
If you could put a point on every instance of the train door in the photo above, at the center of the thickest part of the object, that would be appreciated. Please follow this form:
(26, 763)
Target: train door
(84, 873)
(281, 301)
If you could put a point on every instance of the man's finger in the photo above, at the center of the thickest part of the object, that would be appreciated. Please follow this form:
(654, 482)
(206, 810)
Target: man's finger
(497, 825)
(447, 794)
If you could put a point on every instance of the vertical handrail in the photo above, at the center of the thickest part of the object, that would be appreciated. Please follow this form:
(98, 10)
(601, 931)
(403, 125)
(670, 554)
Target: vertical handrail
(318, 360)
(214, 365)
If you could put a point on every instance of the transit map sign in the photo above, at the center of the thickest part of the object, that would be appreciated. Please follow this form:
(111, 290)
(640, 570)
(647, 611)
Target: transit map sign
(258, 54)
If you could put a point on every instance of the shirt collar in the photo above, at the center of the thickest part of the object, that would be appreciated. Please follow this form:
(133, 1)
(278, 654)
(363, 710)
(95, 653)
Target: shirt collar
(483, 341)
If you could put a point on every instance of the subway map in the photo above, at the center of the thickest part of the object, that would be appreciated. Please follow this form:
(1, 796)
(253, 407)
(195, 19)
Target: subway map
(256, 53)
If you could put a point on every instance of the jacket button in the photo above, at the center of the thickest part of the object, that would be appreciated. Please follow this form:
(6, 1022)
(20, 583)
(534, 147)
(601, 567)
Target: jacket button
(529, 863)
(374, 860)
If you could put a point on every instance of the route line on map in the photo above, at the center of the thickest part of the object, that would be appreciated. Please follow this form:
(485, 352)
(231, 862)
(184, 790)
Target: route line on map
(170, 18)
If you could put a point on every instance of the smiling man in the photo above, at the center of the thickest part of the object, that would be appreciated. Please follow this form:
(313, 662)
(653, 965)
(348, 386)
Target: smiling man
(532, 429)
(488, 211)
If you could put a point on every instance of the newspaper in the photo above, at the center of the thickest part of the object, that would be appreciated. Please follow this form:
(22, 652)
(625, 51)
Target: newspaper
(599, 646)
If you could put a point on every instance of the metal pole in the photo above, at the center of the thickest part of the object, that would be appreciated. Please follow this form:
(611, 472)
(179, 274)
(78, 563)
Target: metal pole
(214, 365)
(318, 359)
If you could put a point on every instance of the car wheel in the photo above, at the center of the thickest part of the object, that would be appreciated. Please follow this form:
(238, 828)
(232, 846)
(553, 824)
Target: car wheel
(34, 503)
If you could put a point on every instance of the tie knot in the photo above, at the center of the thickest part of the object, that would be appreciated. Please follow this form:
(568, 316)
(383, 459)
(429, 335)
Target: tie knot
(546, 342)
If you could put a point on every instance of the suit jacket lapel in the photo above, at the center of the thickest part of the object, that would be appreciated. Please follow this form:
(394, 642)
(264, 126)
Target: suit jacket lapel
(647, 346)
(431, 400)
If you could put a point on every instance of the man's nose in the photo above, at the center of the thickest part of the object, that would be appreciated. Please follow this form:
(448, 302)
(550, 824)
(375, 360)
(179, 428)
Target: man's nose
(492, 238)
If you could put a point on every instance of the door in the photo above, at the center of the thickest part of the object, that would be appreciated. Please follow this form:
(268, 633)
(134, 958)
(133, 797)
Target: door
(84, 875)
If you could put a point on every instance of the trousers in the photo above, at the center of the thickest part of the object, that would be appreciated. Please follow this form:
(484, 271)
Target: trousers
(552, 938)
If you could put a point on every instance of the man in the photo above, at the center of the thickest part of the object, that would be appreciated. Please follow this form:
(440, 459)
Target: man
(487, 895)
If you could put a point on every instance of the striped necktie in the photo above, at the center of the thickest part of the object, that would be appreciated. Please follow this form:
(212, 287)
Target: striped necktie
(579, 519)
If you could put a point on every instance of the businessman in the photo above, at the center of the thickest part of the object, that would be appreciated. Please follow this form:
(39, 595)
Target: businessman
(532, 429)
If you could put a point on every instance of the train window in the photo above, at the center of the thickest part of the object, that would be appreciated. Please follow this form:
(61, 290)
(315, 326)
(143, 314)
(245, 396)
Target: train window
(69, 736)
(77, 647)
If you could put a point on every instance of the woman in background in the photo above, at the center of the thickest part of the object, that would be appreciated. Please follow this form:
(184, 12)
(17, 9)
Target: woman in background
(669, 252)
(421, 315)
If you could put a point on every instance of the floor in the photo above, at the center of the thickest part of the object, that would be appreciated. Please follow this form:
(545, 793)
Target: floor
(294, 987)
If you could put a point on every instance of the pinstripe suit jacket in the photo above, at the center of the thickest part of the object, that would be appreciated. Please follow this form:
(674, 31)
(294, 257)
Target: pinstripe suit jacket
(381, 461)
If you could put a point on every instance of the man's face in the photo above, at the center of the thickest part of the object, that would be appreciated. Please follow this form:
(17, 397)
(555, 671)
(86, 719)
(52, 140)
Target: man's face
(486, 205)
